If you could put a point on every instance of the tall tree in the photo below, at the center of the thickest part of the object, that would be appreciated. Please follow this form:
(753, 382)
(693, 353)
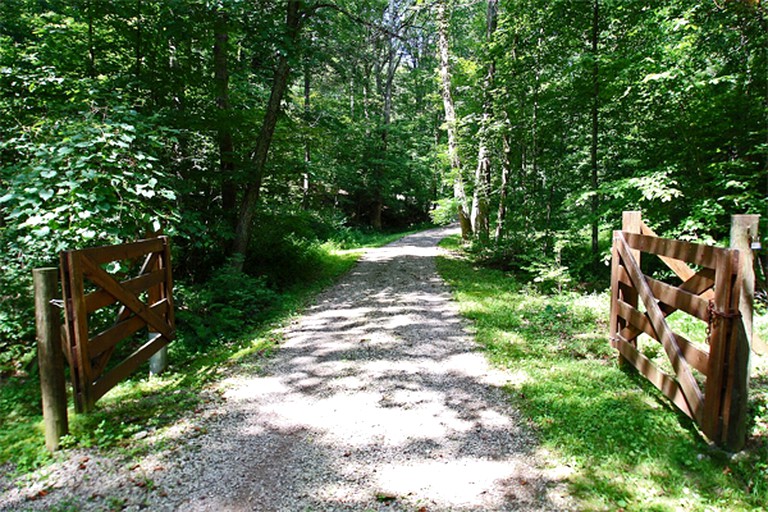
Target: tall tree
(480, 215)
(224, 126)
(248, 207)
(443, 48)
(595, 200)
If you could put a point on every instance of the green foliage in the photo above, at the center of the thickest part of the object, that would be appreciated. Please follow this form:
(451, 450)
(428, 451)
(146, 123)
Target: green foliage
(627, 448)
(222, 307)
(444, 211)
(90, 177)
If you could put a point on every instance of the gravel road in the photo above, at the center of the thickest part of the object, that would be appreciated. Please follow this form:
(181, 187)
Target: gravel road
(378, 399)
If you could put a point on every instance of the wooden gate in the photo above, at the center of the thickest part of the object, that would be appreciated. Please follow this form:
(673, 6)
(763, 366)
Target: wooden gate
(144, 301)
(717, 399)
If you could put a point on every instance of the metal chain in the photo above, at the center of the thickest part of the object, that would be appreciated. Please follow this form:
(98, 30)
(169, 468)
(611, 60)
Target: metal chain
(713, 315)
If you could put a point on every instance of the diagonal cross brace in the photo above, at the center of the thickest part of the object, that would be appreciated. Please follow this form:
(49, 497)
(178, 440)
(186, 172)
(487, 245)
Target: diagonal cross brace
(131, 301)
(665, 335)
(699, 284)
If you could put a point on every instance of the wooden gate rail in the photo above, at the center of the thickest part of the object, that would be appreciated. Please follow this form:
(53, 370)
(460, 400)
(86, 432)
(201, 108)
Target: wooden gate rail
(88, 355)
(711, 295)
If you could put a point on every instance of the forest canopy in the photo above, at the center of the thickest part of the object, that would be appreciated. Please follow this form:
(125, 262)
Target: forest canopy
(254, 129)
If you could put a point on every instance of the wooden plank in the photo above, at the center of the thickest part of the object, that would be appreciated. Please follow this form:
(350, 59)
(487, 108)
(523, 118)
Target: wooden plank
(639, 323)
(683, 271)
(632, 222)
(663, 333)
(128, 366)
(734, 408)
(663, 382)
(679, 299)
(68, 338)
(101, 278)
(109, 338)
(615, 327)
(102, 298)
(105, 254)
(711, 424)
(79, 323)
(168, 289)
(698, 254)
(699, 285)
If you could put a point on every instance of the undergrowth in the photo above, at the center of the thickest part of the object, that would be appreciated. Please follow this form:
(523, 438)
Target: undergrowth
(628, 448)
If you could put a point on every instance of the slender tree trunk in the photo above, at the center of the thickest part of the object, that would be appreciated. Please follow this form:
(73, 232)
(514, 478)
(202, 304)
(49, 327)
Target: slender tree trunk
(138, 49)
(307, 143)
(91, 48)
(593, 149)
(481, 197)
(226, 144)
(393, 62)
(450, 118)
(506, 168)
(352, 97)
(267, 131)
(533, 183)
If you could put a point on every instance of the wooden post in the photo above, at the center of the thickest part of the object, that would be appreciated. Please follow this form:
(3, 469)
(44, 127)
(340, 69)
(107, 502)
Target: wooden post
(50, 356)
(743, 231)
(158, 362)
(631, 222)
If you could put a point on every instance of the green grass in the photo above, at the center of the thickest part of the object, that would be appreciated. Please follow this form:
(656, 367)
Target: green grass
(158, 403)
(627, 447)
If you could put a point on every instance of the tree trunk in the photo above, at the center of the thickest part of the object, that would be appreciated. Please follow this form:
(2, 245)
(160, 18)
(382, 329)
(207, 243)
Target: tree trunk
(307, 143)
(138, 49)
(481, 197)
(450, 118)
(91, 49)
(506, 168)
(267, 131)
(226, 144)
(593, 149)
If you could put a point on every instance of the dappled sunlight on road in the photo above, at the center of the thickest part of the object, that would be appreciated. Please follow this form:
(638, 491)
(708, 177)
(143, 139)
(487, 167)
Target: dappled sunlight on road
(378, 397)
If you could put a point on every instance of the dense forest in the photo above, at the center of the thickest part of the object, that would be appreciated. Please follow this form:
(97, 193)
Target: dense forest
(252, 131)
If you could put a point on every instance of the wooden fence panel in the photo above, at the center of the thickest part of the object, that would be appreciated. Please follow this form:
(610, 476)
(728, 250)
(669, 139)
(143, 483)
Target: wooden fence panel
(710, 295)
(89, 355)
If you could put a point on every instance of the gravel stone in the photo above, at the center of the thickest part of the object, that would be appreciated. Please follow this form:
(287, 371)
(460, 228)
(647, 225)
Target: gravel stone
(377, 400)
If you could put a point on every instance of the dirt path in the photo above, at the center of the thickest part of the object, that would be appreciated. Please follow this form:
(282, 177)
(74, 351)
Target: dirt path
(377, 400)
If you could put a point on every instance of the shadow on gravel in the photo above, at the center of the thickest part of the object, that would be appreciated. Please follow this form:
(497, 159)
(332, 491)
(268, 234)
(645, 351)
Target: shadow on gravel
(379, 400)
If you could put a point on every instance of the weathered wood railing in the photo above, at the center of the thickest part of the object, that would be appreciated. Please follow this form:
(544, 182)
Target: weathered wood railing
(712, 295)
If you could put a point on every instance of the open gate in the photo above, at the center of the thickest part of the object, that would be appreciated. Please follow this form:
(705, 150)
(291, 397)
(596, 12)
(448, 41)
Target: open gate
(717, 399)
(145, 301)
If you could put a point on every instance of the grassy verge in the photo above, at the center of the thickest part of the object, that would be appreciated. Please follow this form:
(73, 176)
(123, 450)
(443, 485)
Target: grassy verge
(629, 450)
(142, 404)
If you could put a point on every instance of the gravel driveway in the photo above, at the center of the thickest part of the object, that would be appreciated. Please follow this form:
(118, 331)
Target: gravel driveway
(377, 400)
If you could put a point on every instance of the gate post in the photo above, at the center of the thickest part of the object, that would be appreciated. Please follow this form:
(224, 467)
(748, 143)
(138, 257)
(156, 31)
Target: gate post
(743, 231)
(50, 356)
